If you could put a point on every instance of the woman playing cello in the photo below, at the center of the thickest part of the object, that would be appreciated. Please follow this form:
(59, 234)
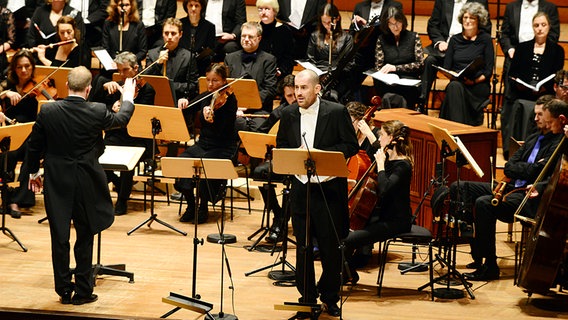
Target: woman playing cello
(392, 215)
(217, 138)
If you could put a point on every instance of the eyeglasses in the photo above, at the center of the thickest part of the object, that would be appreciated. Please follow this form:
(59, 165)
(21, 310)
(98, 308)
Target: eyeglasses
(260, 9)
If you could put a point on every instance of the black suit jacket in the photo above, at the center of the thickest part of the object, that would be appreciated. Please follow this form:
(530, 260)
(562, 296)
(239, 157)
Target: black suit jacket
(233, 16)
(181, 70)
(164, 9)
(441, 20)
(68, 136)
(512, 20)
(97, 11)
(363, 10)
(263, 70)
(334, 131)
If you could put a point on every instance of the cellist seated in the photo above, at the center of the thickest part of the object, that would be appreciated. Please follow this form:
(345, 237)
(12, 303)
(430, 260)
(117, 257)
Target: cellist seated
(394, 163)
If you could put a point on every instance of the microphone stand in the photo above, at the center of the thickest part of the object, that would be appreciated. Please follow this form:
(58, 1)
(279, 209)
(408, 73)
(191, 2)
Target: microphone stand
(4, 39)
(120, 28)
(495, 80)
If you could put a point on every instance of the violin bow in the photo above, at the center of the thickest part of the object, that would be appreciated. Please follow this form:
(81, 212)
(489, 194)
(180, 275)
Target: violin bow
(213, 92)
(44, 78)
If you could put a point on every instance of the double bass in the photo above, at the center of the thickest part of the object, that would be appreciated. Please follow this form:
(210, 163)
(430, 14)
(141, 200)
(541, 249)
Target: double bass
(547, 240)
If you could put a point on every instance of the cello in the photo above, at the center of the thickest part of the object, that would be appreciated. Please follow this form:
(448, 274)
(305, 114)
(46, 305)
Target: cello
(547, 240)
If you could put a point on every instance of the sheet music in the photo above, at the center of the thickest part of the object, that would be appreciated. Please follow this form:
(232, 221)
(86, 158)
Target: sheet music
(120, 158)
(310, 66)
(105, 58)
(469, 157)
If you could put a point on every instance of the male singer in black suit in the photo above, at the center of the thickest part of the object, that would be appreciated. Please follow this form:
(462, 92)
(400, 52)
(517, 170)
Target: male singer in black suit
(439, 30)
(363, 13)
(228, 16)
(307, 24)
(257, 64)
(318, 124)
(180, 63)
(154, 17)
(68, 136)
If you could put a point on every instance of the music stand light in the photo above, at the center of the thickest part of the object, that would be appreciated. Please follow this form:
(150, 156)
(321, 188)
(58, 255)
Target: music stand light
(304, 162)
(11, 138)
(152, 122)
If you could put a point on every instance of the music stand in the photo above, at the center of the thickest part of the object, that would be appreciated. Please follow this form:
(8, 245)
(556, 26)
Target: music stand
(259, 145)
(152, 122)
(246, 92)
(300, 162)
(60, 78)
(211, 169)
(11, 138)
(453, 149)
(161, 84)
(116, 158)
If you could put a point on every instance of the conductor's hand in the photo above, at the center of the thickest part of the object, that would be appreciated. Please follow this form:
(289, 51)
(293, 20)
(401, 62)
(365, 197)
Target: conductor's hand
(183, 103)
(111, 87)
(128, 90)
(35, 184)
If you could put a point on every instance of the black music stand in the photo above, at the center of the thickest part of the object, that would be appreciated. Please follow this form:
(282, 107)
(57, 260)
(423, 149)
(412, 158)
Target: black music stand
(304, 162)
(259, 145)
(11, 138)
(210, 169)
(116, 158)
(453, 149)
(152, 122)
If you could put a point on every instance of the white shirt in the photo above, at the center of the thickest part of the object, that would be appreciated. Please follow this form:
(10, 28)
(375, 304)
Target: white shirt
(83, 6)
(456, 26)
(148, 14)
(528, 10)
(308, 123)
(376, 8)
(15, 5)
(297, 12)
(214, 14)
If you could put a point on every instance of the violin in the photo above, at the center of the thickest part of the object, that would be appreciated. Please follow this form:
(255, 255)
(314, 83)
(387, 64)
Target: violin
(44, 90)
(219, 99)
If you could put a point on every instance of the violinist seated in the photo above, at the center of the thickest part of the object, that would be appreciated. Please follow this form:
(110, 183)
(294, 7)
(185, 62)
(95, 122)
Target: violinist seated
(329, 31)
(217, 139)
(253, 62)
(399, 52)
(67, 49)
(20, 104)
(110, 94)
(487, 205)
(394, 162)
(262, 171)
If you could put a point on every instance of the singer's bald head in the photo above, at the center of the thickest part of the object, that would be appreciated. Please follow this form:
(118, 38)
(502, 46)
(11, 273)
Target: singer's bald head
(307, 88)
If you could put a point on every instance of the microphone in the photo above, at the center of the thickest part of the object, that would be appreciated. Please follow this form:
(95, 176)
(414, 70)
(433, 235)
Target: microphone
(122, 8)
(304, 135)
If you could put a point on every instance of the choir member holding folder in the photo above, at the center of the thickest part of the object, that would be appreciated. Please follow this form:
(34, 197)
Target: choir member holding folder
(466, 97)
(531, 75)
(399, 52)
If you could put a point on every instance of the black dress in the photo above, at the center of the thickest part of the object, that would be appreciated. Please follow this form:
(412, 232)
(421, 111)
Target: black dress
(464, 103)
(278, 41)
(199, 40)
(74, 57)
(133, 39)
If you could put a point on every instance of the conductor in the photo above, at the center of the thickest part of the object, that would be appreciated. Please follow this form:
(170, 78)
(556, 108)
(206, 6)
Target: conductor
(68, 136)
(322, 125)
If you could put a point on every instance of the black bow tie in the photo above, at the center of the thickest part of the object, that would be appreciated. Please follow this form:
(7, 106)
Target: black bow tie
(248, 57)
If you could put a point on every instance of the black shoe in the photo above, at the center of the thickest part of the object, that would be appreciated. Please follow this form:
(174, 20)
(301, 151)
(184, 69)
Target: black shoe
(202, 216)
(120, 208)
(177, 196)
(354, 277)
(66, 297)
(275, 235)
(473, 265)
(484, 273)
(16, 214)
(77, 300)
(188, 215)
(332, 309)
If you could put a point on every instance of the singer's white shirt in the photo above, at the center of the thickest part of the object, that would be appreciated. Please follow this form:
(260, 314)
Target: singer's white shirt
(308, 124)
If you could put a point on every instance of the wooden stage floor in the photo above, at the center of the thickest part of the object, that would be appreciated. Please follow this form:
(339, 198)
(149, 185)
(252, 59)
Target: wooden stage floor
(162, 262)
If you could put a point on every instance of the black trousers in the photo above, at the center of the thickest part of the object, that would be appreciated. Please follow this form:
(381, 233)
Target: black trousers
(327, 226)
(83, 250)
